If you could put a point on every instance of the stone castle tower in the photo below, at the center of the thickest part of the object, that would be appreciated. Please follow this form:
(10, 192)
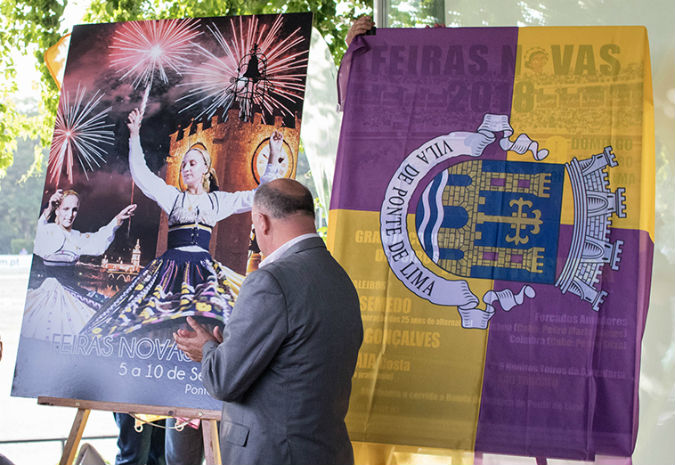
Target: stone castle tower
(136, 256)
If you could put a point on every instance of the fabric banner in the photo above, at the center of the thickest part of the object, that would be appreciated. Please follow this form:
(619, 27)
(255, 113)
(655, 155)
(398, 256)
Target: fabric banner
(493, 203)
(164, 129)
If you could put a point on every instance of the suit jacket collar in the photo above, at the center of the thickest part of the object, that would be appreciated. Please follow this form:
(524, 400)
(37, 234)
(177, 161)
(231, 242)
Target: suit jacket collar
(309, 243)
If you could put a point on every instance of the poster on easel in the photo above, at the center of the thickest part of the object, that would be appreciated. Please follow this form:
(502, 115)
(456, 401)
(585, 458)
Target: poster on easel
(493, 203)
(164, 130)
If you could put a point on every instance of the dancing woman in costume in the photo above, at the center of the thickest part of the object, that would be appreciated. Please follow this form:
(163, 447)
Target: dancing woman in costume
(185, 280)
(59, 304)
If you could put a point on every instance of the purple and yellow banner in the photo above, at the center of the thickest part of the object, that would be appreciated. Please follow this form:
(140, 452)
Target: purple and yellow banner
(493, 203)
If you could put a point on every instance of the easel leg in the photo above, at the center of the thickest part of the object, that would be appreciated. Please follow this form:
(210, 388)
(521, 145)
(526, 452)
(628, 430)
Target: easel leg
(211, 443)
(74, 437)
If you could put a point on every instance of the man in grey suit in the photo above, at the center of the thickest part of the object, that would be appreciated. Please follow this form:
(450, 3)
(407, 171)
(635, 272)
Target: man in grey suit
(284, 362)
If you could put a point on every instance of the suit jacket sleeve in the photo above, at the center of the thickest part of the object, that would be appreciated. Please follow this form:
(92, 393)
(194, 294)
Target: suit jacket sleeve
(256, 330)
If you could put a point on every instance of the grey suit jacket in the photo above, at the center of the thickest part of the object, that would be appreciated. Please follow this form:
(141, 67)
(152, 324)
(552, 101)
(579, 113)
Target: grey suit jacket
(285, 365)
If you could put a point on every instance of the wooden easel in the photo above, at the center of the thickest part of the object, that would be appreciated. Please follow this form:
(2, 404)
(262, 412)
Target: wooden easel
(208, 417)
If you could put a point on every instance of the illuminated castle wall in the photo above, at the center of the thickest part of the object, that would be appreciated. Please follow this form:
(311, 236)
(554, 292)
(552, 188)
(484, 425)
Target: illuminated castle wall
(462, 195)
(231, 144)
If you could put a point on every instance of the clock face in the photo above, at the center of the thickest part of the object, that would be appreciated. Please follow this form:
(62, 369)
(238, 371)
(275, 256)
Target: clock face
(282, 168)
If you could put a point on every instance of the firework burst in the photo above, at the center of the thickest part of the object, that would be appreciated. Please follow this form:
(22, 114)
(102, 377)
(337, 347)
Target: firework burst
(80, 131)
(220, 80)
(144, 49)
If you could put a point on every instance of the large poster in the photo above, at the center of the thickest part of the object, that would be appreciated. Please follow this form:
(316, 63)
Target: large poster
(164, 130)
(493, 203)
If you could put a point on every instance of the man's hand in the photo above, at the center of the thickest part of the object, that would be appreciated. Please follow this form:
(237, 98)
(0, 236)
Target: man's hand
(192, 342)
(359, 26)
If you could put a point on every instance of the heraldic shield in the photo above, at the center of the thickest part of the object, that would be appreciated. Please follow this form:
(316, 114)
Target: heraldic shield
(493, 219)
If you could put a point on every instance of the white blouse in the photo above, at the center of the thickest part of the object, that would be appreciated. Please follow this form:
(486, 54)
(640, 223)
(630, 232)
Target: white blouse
(53, 243)
(183, 207)
(191, 207)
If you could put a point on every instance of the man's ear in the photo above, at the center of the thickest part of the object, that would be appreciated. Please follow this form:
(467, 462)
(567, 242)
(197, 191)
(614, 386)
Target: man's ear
(265, 224)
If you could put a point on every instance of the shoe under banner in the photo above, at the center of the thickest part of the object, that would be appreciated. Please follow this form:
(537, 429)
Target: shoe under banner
(494, 204)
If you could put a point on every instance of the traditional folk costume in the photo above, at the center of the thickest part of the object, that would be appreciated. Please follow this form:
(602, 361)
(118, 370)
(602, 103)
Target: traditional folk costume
(185, 280)
(59, 305)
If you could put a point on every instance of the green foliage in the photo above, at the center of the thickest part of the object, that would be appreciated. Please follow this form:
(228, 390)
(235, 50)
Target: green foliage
(20, 196)
(20, 245)
(26, 28)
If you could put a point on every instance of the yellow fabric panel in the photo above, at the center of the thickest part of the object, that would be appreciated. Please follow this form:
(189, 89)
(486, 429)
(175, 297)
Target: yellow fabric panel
(577, 90)
(55, 59)
(407, 340)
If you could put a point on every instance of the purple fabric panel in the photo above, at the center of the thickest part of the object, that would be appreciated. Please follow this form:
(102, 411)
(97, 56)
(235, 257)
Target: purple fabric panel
(646, 263)
(560, 379)
(616, 408)
(407, 86)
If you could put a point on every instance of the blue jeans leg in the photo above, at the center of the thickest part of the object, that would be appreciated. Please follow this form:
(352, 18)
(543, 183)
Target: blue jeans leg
(183, 447)
(134, 448)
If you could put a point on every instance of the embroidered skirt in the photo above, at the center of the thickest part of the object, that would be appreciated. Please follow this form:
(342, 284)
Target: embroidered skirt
(54, 308)
(55, 302)
(169, 289)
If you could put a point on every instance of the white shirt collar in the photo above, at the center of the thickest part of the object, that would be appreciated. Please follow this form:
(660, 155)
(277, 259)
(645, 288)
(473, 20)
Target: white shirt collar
(287, 245)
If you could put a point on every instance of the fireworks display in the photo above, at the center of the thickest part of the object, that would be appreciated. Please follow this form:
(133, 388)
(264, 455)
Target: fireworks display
(275, 81)
(145, 49)
(80, 131)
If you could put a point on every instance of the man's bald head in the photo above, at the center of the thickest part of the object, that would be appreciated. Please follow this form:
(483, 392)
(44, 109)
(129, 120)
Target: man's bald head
(284, 197)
